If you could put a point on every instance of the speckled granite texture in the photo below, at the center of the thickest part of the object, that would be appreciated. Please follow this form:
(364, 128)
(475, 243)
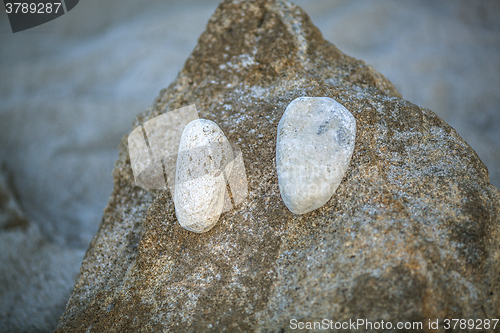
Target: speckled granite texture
(411, 233)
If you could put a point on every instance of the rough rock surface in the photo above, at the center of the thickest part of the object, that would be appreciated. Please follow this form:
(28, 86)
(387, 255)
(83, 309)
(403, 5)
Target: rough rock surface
(411, 234)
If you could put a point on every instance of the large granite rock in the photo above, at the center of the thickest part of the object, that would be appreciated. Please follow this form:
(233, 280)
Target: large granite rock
(411, 233)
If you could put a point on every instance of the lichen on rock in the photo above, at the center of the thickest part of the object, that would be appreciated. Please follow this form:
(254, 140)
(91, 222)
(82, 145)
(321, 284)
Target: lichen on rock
(412, 233)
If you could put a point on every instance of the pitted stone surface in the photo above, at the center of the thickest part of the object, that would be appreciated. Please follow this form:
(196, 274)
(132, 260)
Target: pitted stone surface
(314, 147)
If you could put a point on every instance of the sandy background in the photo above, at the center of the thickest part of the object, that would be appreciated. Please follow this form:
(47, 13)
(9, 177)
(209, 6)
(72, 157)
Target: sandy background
(70, 89)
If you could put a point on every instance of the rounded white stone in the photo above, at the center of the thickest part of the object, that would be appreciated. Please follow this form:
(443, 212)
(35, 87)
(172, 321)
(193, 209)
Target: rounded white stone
(203, 165)
(315, 143)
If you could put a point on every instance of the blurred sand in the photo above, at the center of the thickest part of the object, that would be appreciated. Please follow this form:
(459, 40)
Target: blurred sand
(70, 89)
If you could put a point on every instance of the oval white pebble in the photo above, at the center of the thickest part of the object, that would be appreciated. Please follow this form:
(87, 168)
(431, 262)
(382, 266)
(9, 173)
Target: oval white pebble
(203, 165)
(315, 143)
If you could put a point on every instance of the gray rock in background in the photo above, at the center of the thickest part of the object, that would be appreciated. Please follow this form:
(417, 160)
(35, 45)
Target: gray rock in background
(71, 88)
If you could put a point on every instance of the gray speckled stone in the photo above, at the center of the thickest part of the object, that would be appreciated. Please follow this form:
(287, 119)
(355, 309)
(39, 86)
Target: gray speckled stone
(204, 163)
(314, 146)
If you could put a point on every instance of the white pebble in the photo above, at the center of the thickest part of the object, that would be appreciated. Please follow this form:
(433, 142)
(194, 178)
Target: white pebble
(204, 163)
(315, 143)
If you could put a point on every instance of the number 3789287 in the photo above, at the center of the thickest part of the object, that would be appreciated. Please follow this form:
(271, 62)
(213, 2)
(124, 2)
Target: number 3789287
(33, 8)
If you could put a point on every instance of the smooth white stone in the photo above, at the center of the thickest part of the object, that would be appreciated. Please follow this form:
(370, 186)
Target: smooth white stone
(315, 143)
(204, 163)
